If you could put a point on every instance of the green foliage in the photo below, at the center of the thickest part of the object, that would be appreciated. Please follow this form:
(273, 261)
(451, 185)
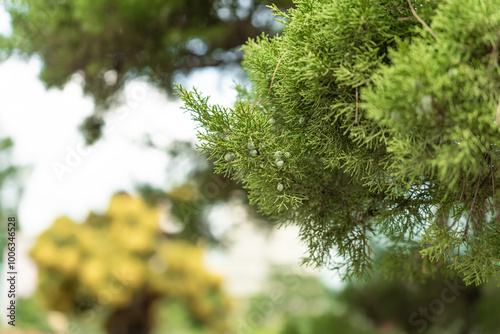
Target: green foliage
(296, 304)
(324, 324)
(30, 316)
(369, 132)
(174, 317)
(439, 305)
(192, 199)
(10, 188)
(9, 174)
(299, 304)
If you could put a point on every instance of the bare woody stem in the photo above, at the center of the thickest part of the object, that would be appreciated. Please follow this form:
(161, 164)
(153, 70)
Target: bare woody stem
(426, 26)
(356, 116)
(466, 231)
(272, 81)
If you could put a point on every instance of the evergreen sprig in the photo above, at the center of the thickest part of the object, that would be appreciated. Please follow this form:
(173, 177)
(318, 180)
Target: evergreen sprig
(383, 132)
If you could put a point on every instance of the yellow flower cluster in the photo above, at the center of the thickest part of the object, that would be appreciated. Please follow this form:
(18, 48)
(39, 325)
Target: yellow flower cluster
(114, 256)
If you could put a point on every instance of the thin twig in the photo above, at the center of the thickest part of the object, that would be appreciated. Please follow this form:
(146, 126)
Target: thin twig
(422, 21)
(356, 116)
(494, 52)
(272, 81)
(492, 177)
(463, 188)
(485, 179)
(365, 239)
(498, 113)
(493, 183)
(451, 226)
(256, 104)
(372, 251)
(274, 74)
(472, 209)
(406, 18)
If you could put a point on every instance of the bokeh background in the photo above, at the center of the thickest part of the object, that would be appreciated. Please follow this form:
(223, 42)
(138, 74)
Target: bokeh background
(123, 227)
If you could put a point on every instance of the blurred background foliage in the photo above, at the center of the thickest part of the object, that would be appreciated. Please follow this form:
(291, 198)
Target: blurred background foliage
(141, 279)
(10, 180)
(110, 42)
(192, 197)
(299, 304)
(122, 262)
(294, 303)
(11, 177)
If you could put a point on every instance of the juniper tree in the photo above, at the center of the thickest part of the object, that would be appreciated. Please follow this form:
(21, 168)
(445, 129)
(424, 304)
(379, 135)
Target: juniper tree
(372, 125)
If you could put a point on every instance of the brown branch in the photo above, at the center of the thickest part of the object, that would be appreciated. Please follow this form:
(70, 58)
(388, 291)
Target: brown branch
(463, 188)
(422, 21)
(272, 81)
(498, 113)
(490, 65)
(492, 177)
(494, 52)
(356, 116)
(256, 104)
(274, 73)
(365, 241)
(406, 18)
(472, 209)
(452, 225)
(493, 183)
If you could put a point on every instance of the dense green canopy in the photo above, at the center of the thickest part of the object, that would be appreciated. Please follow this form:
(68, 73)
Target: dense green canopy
(371, 131)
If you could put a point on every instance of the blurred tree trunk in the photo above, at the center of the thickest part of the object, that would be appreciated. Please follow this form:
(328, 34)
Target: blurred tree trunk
(135, 318)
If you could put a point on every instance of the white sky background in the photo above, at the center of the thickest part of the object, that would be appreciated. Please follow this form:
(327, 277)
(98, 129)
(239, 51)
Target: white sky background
(44, 127)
